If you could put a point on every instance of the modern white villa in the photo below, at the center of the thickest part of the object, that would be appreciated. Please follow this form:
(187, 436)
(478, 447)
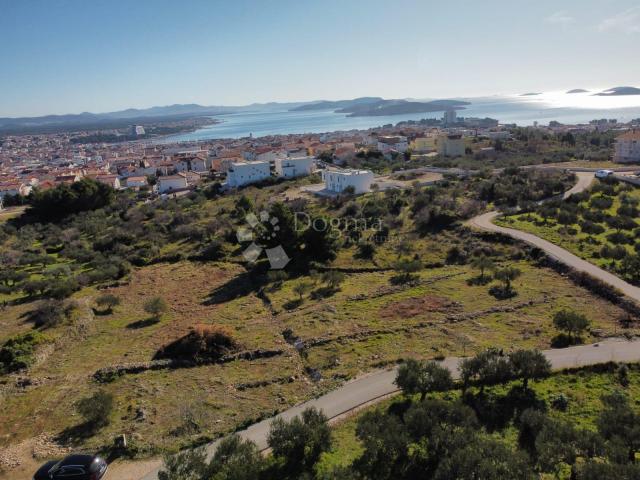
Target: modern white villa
(338, 180)
(294, 167)
(245, 173)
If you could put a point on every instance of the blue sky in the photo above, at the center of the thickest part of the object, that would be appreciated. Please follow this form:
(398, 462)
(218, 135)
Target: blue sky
(68, 56)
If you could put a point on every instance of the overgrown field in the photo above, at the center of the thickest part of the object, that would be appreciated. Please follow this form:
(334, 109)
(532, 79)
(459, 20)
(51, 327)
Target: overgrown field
(192, 342)
(599, 225)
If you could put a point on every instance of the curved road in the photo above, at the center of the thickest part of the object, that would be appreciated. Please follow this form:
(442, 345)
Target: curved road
(378, 385)
(485, 222)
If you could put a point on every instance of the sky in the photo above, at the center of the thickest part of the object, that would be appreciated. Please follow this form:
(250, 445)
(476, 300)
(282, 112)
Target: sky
(70, 56)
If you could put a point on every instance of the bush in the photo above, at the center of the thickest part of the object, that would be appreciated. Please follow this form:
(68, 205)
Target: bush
(18, 352)
(107, 302)
(620, 238)
(96, 409)
(617, 252)
(591, 228)
(155, 307)
(203, 343)
(601, 202)
(48, 314)
(560, 402)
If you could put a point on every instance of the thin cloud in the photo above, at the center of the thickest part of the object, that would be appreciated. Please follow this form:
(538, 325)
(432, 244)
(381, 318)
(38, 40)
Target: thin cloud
(560, 18)
(626, 22)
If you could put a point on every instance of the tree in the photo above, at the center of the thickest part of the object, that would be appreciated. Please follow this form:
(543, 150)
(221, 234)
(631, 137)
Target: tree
(187, 465)
(366, 250)
(529, 365)
(406, 271)
(107, 302)
(298, 444)
(484, 459)
(301, 288)
(48, 314)
(333, 278)
(556, 444)
(482, 263)
(573, 323)
(66, 199)
(96, 409)
(488, 367)
(235, 459)
(620, 424)
(155, 307)
(384, 442)
(506, 276)
(415, 377)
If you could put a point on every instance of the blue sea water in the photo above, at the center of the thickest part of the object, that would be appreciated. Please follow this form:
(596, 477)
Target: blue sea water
(513, 109)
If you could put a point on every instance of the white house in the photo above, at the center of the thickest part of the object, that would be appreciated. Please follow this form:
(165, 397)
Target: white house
(393, 142)
(294, 167)
(451, 145)
(172, 183)
(627, 147)
(136, 182)
(338, 180)
(244, 173)
(112, 180)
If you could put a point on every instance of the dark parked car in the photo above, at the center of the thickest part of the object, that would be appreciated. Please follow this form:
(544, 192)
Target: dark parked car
(73, 467)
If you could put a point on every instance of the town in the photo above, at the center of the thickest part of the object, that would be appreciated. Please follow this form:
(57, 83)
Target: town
(45, 160)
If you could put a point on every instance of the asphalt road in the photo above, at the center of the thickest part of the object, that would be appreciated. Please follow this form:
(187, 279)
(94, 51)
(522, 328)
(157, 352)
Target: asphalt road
(379, 384)
(485, 222)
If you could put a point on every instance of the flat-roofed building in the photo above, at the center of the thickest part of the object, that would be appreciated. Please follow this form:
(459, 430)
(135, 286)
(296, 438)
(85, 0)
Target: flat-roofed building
(338, 180)
(294, 167)
(627, 147)
(451, 145)
(245, 173)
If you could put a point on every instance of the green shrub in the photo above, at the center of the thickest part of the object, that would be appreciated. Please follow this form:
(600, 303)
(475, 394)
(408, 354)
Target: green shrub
(18, 352)
(96, 409)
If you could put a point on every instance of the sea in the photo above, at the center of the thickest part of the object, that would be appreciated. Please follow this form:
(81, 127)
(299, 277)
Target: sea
(508, 109)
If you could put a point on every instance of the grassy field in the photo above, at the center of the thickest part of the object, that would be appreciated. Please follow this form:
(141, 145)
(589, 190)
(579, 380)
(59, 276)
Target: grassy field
(422, 320)
(582, 388)
(365, 323)
(572, 237)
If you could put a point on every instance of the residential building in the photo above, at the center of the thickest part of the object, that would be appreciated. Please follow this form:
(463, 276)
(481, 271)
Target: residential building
(172, 183)
(136, 182)
(627, 147)
(451, 145)
(423, 144)
(449, 117)
(338, 180)
(136, 130)
(112, 180)
(393, 142)
(245, 173)
(294, 167)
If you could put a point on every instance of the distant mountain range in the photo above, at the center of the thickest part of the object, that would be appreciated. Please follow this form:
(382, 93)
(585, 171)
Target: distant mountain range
(357, 107)
(376, 106)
